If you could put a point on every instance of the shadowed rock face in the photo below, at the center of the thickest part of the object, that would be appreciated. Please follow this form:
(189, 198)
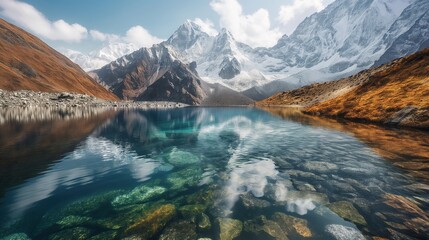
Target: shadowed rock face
(155, 74)
(179, 84)
(229, 68)
(152, 74)
(27, 63)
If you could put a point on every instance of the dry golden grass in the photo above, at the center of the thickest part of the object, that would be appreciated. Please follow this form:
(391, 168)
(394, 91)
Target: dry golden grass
(373, 95)
(403, 83)
(317, 92)
(28, 63)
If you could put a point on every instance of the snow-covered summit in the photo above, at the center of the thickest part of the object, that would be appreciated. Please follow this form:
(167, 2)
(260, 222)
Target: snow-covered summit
(344, 38)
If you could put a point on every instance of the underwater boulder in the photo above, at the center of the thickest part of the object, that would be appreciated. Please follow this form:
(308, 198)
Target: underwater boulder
(347, 211)
(152, 222)
(292, 225)
(263, 228)
(229, 228)
(139, 195)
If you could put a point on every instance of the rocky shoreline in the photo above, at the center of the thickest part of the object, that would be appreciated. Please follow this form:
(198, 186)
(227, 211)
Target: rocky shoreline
(26, 98)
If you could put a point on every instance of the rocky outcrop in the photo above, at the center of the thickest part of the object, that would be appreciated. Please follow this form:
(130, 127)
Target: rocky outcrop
(229, 68)
(179, 84)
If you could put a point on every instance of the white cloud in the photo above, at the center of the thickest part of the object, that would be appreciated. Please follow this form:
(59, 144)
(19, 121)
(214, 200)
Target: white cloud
(97, 35)
(253, 29)
(290, 16)
(207, 26)
(30, 18)
(141, 37)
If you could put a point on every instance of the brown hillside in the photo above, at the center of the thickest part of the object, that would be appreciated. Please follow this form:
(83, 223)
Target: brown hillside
(28, 63)
(395, 93)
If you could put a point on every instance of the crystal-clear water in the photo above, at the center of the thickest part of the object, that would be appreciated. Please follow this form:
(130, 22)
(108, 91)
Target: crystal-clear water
(218, 173)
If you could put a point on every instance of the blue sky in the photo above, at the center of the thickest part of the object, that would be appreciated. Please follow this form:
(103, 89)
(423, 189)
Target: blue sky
(83, 24)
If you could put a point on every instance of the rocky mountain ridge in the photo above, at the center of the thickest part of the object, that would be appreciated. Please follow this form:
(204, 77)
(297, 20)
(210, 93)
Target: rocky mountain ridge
(157, 74)
(344, 38)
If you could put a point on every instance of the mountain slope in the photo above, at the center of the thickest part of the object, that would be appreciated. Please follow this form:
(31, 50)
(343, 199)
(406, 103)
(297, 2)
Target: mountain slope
(409, 33)
(220, 59)
(346, 37)
(101, 57)
(28, 63)
(395, 93)
(157, 74)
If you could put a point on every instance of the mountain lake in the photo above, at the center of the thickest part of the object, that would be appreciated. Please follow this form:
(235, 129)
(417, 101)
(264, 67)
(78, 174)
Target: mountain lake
(209, 173)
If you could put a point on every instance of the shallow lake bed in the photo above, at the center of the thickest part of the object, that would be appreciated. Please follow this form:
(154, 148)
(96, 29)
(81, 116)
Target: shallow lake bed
(219, 173)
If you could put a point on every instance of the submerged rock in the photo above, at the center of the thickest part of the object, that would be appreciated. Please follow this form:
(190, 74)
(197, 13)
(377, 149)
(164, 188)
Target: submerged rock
(72, 221)
(125, 216)
(340, 232)
(263, 228)
(181, 158)
(229, 228)
(304, 175)
(303, 186)
(319, 167)
(78, 233)
(337, 186)
(109, 235)
(347, 211)
(139, 195)
(182, 230)
(203, 222)
(191, 212)
(153, 222)
(182, 179)
(250, 202)
(292, 225)
(16, 236)
(80, 207)
(203, 196)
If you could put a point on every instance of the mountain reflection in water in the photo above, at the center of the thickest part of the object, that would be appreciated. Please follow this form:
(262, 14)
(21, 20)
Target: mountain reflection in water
(207, 169)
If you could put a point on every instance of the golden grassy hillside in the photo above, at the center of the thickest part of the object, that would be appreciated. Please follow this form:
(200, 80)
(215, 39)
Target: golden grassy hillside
(396, 93)
(399, 93)
(27, 63)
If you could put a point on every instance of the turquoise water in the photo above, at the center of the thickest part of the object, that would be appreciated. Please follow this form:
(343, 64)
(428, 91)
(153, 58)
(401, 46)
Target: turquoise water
(214, 173)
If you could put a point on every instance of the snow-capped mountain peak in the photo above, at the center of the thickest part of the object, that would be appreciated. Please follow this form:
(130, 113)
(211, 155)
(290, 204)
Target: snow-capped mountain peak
(344, 38)
(97, 59)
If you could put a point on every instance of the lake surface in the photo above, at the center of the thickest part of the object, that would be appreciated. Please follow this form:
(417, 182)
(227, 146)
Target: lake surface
(218, 173)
